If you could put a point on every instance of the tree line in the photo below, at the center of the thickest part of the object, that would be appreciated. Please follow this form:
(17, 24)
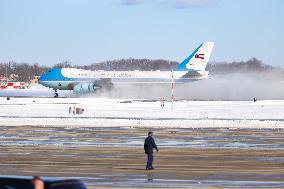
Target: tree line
(26, 71)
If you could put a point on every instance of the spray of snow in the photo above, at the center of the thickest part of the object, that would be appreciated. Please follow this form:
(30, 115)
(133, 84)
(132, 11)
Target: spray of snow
(236, 86)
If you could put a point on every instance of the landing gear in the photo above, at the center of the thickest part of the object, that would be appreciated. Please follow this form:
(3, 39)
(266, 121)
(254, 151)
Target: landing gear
(55, 93)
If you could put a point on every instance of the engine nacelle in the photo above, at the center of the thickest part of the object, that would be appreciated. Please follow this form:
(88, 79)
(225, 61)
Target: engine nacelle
(85, 88)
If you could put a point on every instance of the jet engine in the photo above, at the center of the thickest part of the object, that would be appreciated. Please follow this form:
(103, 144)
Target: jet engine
(85, 87)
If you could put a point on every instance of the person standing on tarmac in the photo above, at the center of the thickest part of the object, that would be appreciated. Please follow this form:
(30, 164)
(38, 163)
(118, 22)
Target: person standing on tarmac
(149, 144)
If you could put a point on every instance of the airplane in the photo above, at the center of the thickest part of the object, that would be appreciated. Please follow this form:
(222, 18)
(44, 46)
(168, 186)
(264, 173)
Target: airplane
(84, 81)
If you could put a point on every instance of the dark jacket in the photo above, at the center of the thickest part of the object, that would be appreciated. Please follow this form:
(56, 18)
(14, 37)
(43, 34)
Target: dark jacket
(149, 144)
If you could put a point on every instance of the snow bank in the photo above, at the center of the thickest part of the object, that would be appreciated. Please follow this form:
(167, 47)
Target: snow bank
(101, 112)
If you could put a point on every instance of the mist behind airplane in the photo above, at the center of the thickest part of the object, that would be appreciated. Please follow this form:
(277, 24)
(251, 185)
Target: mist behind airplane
(83, 81)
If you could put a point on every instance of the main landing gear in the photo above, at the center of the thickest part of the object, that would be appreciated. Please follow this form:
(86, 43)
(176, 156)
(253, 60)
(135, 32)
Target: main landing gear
(55, 93)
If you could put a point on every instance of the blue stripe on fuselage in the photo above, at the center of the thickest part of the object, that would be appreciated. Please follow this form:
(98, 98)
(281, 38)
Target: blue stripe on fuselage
(55, 74)
(52, 75)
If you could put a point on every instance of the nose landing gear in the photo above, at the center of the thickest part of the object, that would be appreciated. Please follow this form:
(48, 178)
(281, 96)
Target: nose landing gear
(55, 93)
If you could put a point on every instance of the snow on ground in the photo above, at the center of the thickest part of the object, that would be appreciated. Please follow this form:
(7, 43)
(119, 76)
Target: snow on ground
(99, 112)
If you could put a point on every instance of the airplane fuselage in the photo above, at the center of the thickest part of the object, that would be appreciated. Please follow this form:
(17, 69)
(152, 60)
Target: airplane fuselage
(80, 80)
(67, 78)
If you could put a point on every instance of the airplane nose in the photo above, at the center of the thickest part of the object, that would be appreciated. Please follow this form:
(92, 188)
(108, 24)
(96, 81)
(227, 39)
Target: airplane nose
(40, 79)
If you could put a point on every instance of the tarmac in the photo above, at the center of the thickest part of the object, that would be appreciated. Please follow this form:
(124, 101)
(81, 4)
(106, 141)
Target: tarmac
(114, 157)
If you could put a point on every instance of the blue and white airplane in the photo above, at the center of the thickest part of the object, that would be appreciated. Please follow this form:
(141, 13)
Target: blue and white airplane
(83, 81)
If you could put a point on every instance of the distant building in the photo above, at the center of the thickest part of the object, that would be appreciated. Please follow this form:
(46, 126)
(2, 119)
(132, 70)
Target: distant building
(13, 77)
(6, 83)
(34, 80)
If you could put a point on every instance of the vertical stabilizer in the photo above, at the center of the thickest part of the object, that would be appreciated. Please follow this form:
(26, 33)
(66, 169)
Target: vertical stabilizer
(198, 60)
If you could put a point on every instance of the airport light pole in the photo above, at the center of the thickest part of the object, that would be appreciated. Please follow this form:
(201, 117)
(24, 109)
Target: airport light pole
(172, 89)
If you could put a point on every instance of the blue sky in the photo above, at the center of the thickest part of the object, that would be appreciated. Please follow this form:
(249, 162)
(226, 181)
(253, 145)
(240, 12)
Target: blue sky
(87, 31)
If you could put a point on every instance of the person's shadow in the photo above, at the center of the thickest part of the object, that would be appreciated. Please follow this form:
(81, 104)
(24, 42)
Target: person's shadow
(149, 177)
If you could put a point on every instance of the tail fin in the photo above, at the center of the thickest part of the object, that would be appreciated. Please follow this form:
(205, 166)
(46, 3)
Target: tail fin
(198, 60)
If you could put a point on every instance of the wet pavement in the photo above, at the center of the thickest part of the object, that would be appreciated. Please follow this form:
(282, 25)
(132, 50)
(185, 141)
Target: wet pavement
(264, 139)
(114, 157)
